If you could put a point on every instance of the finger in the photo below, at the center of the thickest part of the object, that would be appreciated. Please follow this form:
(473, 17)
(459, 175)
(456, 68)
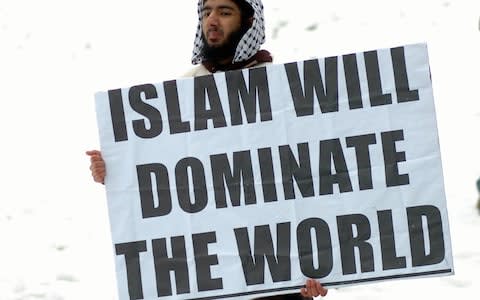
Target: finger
(98, 172)
(97, 165)
(322, 291)
(96, 157)
(97, 162)
(98, 179)
(313, 288)
(93, 152)
(304, 292)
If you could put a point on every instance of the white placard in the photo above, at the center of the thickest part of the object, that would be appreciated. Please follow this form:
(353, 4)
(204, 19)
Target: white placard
(246, 183)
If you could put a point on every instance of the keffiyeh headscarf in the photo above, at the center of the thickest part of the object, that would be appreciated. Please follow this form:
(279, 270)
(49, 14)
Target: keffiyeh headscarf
(248, 45)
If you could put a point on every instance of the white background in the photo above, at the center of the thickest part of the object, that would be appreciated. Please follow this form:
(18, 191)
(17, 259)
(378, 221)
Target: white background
(54, 55)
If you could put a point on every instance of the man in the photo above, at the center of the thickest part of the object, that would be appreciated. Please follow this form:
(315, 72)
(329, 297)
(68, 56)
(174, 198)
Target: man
(229, 36)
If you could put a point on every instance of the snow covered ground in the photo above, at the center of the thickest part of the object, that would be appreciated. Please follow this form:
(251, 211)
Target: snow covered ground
(54, 55)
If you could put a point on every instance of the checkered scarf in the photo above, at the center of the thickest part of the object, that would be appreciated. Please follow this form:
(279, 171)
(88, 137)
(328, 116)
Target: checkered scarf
(248, 45)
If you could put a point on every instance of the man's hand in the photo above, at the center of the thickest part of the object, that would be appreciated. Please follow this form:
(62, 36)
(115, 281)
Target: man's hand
(97, 166)
(313, 288)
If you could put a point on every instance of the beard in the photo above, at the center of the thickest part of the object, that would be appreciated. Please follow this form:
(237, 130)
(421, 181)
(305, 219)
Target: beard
(227, 49)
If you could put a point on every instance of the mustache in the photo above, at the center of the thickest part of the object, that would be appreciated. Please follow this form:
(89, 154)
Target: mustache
(214, 29)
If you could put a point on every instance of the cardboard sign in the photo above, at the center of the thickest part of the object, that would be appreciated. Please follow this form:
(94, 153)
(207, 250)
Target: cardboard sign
(246, 183)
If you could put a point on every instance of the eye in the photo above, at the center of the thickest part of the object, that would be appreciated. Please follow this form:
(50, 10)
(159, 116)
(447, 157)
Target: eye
(225, 13)
(206, 13)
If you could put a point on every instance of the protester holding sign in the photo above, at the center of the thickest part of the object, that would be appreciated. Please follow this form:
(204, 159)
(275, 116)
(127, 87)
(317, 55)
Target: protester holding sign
(229, 36)
(328, 168)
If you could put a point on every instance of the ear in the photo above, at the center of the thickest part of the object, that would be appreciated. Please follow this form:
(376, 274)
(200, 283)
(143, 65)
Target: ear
(250, 21)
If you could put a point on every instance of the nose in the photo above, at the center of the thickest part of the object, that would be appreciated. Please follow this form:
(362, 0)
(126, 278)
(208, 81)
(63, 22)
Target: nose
(212, 19)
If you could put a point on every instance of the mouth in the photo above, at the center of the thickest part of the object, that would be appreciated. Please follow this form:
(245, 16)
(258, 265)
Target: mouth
(214, 35)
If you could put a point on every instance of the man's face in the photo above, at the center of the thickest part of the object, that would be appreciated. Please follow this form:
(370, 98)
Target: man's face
(220, 18)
